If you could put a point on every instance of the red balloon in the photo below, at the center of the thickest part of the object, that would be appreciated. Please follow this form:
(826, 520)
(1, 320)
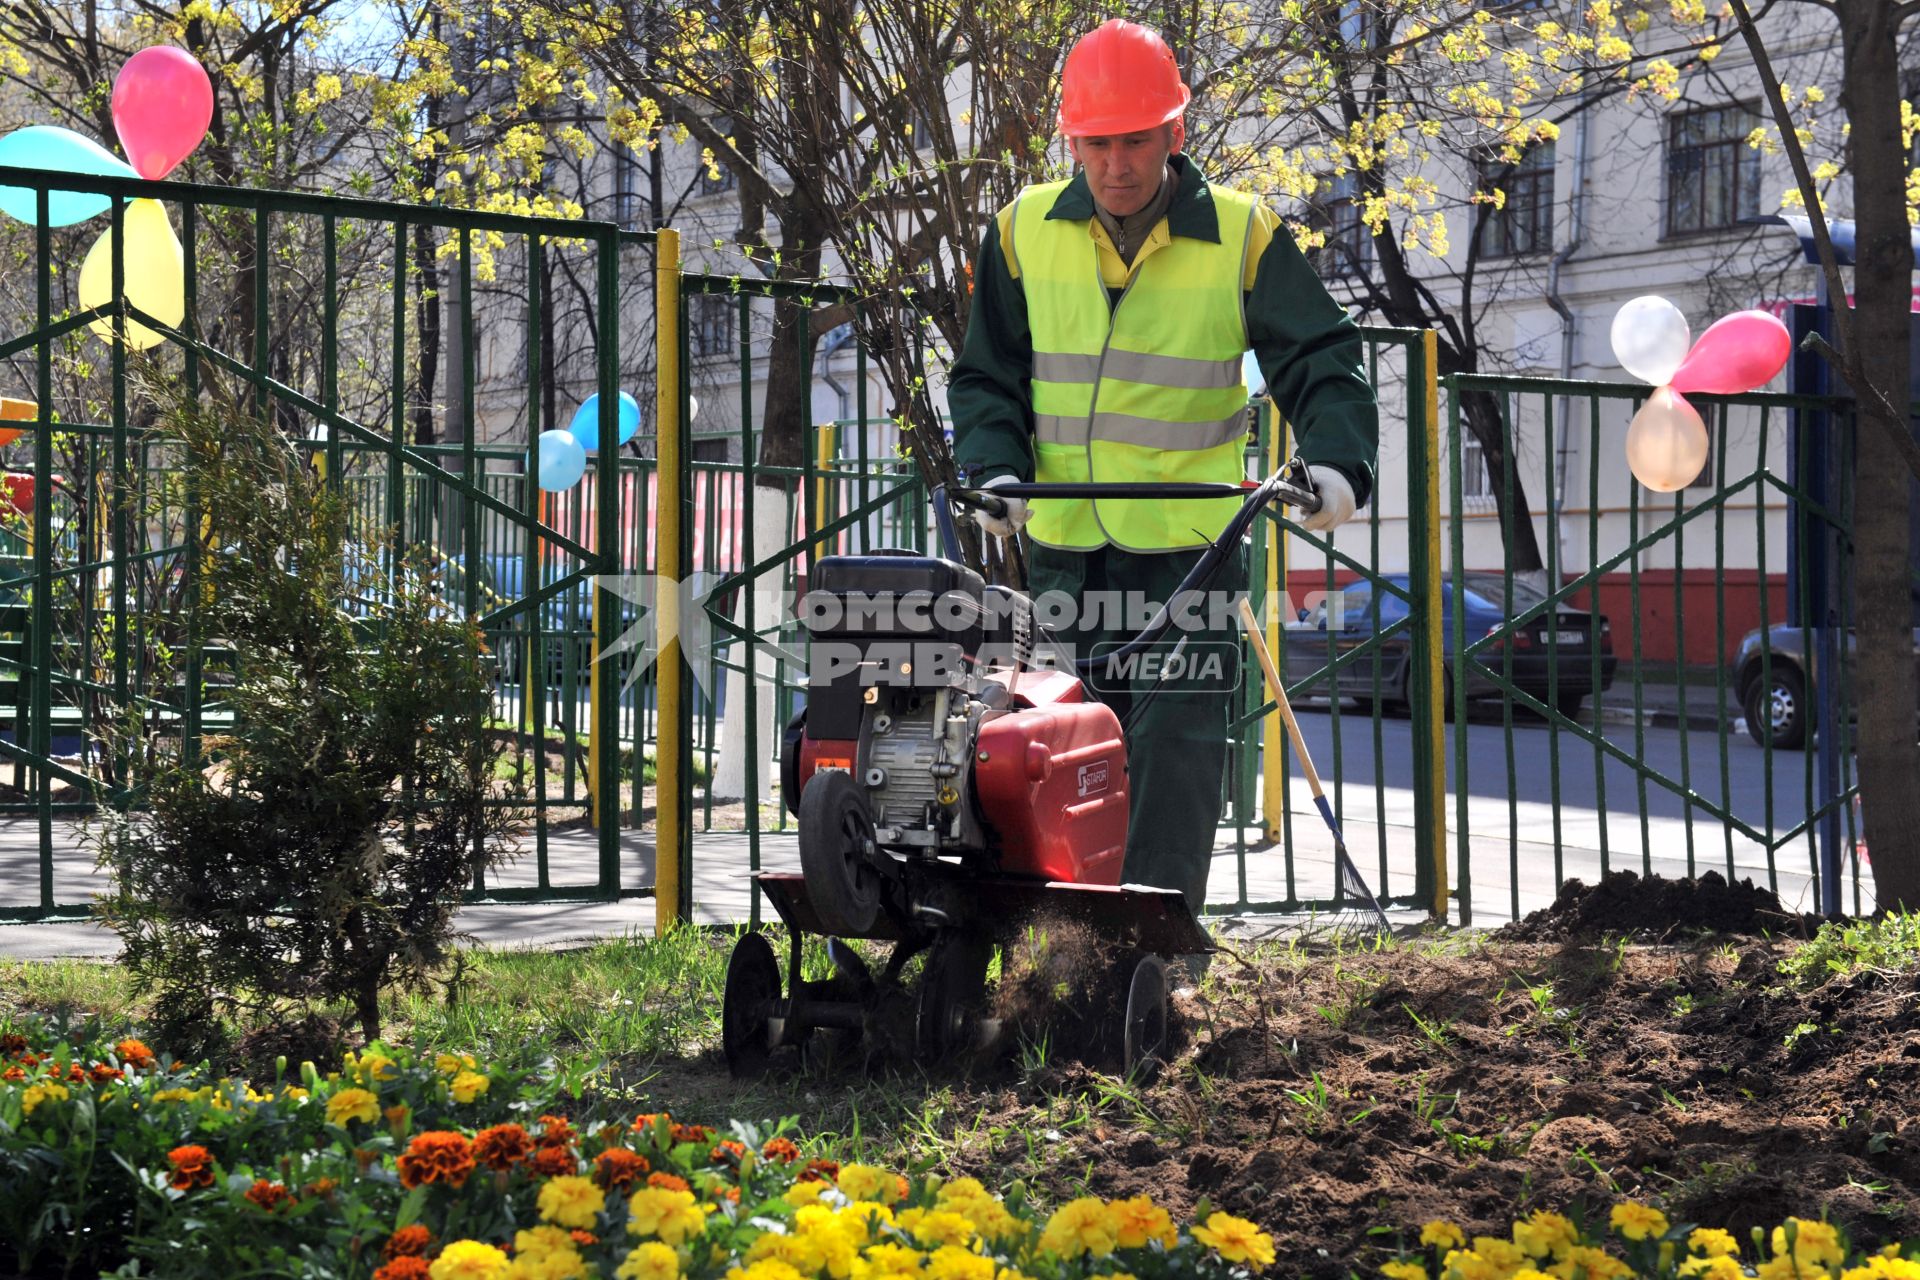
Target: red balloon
(1736, 354)
(16, 492)
(162, 105)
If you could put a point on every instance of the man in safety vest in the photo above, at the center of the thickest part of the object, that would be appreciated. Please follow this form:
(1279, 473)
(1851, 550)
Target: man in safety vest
(1110, 319)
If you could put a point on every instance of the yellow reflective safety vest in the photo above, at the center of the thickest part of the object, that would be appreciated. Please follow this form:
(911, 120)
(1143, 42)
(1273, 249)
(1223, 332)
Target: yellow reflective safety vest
(1146, 389)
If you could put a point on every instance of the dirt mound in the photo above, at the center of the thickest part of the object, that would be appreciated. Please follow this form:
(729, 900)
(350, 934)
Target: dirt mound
(1655, 907)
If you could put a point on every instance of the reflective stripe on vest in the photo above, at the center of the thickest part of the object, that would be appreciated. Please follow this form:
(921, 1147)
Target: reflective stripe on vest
(1148, 389)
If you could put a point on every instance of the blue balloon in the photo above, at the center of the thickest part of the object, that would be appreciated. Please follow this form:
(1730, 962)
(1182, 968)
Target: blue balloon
(562, 461)
(586, 421)
(55, 150)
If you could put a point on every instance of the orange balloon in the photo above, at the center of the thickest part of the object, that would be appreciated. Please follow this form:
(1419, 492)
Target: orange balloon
(1667, 442)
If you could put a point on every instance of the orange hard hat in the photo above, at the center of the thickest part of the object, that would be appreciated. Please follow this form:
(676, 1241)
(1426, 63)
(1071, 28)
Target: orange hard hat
(1119, 78)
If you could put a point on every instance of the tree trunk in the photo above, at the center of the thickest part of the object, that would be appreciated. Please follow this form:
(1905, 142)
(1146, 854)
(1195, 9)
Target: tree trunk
(1883, 592)
(1481, 411)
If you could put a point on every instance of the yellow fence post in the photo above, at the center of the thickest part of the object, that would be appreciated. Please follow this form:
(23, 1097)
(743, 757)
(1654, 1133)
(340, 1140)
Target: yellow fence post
(670, 744)
(1272, 764)
(1429, 494)
(826, 442)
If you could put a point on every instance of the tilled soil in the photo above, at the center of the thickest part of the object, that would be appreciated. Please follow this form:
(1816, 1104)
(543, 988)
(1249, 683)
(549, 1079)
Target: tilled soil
(1338, 1096)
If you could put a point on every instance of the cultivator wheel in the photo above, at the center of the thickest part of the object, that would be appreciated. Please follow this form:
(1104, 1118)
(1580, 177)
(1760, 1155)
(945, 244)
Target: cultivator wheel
(1146, 1040)
(836, 854)
(952, 997)
(752, 998)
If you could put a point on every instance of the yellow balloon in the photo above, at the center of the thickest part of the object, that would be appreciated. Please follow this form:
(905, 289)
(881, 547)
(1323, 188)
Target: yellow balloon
(1667, 442)
(155, 275)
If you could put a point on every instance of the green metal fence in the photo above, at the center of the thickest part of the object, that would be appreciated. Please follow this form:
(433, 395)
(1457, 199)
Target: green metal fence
(305, 305)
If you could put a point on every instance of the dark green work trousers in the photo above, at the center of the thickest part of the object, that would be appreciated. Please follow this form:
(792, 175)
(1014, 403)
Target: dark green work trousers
(1177, 739)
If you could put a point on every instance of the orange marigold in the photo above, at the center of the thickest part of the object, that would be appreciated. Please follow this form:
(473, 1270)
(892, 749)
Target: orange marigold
(644, 1123)
(269, 1195)
(437, 1156)
(692, 1133)
(782, 1149)
(727, 1193)
(13, 1073)
(76, 1073)
(411, 1241)
(405, 1269)
(134, 1054)
(667, 1182)
(820, 1171)
(617, 1168)
(13, 1044)
(104, 1074)
(321, 1187)
(554, 1162)
(727, 1152)
(192, 1167)
(584, 1238)
(556, 1131)
(502, 1146)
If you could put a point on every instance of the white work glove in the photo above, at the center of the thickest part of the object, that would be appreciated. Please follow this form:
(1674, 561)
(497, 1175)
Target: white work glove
(1337, 503)
(1018, 512)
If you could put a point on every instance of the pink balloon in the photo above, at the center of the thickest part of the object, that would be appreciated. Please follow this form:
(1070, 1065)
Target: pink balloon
(162, 105)
(1736, 354)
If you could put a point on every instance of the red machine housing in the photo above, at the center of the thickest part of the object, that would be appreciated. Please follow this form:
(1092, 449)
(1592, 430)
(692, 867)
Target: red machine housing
(1051, 781)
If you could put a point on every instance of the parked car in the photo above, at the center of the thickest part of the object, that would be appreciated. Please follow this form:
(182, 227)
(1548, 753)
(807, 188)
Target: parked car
(1777, 696)
(1568, 633)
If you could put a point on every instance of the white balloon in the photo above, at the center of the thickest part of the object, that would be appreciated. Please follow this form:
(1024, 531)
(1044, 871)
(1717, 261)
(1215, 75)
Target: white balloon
(1651, 339)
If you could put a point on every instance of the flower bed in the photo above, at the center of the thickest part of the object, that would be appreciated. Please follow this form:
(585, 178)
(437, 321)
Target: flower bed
(400, 1169)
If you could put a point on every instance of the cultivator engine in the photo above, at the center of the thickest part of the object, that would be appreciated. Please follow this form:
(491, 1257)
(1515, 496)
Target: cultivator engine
(952, 787)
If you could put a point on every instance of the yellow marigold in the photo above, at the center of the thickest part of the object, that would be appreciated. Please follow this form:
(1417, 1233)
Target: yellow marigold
(1083, 1226)
(452, 1064)
(1467, 1264)
(39, 1093)
(1785, 1268)
(649, 1260)
(1815, 1243)
(1138, 1220)
(372, 1066)
(801, 1194)
(1713, 1267)
(1442, 1233)
(1638, 1221)
(1584, 1262)
(1886, 1265)
(936, 1227)
(469, 1260)
(671, 1215)
(353, 1104)
(953, 1262)
(1544, 1234)
(1400, 1269)
(886, 1261)
(864, 1182)
(468, 1085)
(1504, 1255)
(1712, 1242)
(963, 1189)
(550, 1264)
(571, 1201)
(1236, 1239)
(765, 1269)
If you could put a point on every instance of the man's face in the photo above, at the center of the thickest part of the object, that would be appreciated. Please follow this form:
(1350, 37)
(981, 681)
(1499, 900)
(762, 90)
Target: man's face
(1124, 169)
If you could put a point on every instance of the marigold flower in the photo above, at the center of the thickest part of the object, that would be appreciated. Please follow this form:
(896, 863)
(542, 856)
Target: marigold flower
(617, 1169)
(452, 1064)
(952, 1262)
(1139, 1220)
(269, 1195)
(192, 1167)
(352, 1104)
(644, 1122)
(649, 1260)
(1236, 1239)
(1638, 1221)
(502, 1146)
(1082, 1226)
(102, 1073)
(134, 1054)
(692, 1133)
(556, 1131)
(1719, 1267)
(407, 1268)
(1442, 1234)
(583, 1238)
(823, 1170)
(438, 1156)
(935, 1227)
(1814, 1244)
(322, 1188)
(554, 1162)
(39, 1093)
(571, 1201)
(1400, 1269)
(469, 1260)
(671, 1215)
(1545, 1234)
(12, 1044)
(468, 1085)
(667, 1181)
(863, 1182)
(13, 1074)
(727, 1151)
(1712, 1242)
(782, 1149)
(775, 1269)
(411, 1241)
(546, 1252)
(1596, 1264)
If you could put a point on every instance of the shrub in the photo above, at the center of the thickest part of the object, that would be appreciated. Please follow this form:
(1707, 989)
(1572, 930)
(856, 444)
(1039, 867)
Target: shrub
(316, 852)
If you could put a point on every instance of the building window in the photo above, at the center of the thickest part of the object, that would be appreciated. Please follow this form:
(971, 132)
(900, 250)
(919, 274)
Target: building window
(711, 322)
(1524, 221)
(1713, 176)
(1348, 250)
(1474, 481)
